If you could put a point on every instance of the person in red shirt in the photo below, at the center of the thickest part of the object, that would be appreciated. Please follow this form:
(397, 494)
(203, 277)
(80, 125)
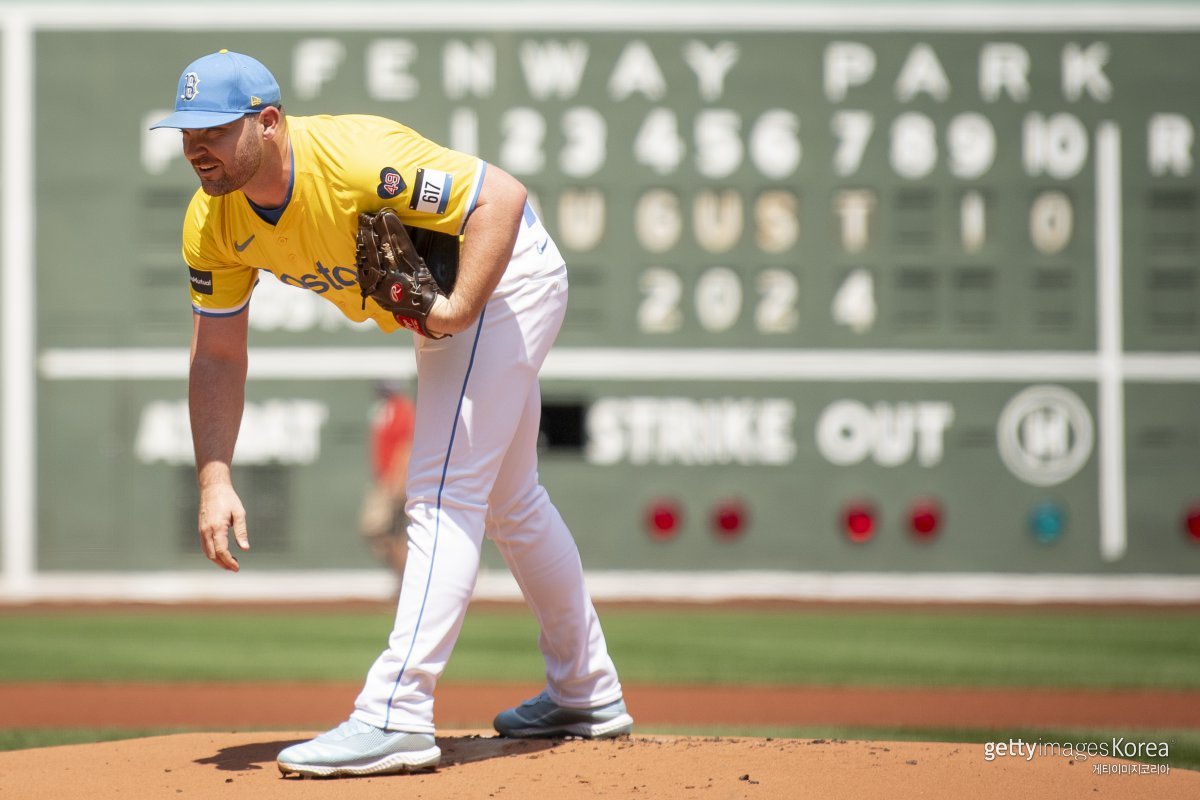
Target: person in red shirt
(382, 520)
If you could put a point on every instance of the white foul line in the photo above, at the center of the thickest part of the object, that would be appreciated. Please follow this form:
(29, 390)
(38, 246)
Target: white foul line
(1109, 337)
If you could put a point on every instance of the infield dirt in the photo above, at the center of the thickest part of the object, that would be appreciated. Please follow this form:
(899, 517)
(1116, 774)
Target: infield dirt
(239, 766)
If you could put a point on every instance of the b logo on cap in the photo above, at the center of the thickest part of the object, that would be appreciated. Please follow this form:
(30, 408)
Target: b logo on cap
(191, 86)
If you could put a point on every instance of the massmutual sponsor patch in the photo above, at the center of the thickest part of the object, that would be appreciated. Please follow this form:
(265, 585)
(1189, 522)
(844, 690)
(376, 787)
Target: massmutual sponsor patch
(390, 183)
(202, 281)
(432, 191)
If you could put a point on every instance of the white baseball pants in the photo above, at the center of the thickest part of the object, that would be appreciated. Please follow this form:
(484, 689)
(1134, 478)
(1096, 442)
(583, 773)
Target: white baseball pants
(474, 470)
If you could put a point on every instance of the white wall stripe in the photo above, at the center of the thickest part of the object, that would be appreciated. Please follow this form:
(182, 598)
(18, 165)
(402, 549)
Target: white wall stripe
(617, 16)
(700, 587)
(652, 364)
(1110, 339)
(17, 305)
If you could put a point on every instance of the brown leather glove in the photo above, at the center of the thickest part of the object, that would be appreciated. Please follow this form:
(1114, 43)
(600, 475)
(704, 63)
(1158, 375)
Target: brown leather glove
(392, 272)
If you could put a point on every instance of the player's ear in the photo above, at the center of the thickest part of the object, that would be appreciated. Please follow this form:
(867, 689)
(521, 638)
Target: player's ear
(270, 118)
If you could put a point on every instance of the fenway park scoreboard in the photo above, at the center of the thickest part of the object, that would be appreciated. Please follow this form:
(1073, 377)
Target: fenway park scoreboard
(846, 296)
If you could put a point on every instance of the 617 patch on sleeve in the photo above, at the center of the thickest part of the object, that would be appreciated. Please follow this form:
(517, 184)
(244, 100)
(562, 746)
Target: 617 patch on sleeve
(432, 191)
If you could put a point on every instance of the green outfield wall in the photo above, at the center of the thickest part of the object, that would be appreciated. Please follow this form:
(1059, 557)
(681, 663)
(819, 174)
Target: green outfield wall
(894, 290)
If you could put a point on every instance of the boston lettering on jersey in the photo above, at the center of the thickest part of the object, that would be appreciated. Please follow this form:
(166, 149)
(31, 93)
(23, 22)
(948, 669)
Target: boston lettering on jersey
(323, 280)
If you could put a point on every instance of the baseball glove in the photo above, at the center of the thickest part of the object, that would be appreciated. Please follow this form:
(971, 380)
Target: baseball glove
(392, 272)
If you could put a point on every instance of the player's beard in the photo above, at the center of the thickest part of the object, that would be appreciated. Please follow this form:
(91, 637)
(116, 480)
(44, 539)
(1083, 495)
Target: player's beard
(247, 159)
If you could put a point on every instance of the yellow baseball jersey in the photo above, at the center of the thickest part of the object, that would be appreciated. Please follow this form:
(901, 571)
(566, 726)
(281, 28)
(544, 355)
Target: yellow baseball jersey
(341, 166)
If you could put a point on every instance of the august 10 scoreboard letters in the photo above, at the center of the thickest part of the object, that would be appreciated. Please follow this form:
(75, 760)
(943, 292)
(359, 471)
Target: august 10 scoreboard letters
(864, 262)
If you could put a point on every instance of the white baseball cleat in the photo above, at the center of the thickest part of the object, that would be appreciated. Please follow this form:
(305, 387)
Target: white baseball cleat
(356, 748)
(541, 717)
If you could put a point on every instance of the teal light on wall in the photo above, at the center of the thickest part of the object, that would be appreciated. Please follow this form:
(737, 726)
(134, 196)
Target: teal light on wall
(1047, 521)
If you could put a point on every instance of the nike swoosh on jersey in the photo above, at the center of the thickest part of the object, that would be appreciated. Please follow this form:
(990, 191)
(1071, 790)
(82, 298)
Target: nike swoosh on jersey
(541, 246)
(243, 245)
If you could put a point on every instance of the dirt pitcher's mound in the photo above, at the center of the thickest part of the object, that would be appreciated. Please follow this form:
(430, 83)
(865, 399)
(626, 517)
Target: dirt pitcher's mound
(475, 765)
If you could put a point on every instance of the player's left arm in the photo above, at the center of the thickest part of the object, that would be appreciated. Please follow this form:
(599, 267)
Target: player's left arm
(487, 245)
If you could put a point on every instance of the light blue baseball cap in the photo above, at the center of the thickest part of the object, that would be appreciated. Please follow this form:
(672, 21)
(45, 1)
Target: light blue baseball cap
(218, 89)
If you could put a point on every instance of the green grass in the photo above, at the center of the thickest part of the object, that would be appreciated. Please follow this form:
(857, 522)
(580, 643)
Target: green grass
(27, 739)
(1003, 648)
(216, 645)
(910, 648)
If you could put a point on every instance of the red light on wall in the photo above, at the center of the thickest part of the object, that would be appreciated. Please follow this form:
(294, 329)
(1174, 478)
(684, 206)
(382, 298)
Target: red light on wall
(858, 522)
(729, 519)
(663, 518)
(925, 519)
(1191, 522)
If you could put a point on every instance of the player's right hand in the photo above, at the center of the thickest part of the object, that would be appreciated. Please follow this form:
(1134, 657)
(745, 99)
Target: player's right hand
(221, 510)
